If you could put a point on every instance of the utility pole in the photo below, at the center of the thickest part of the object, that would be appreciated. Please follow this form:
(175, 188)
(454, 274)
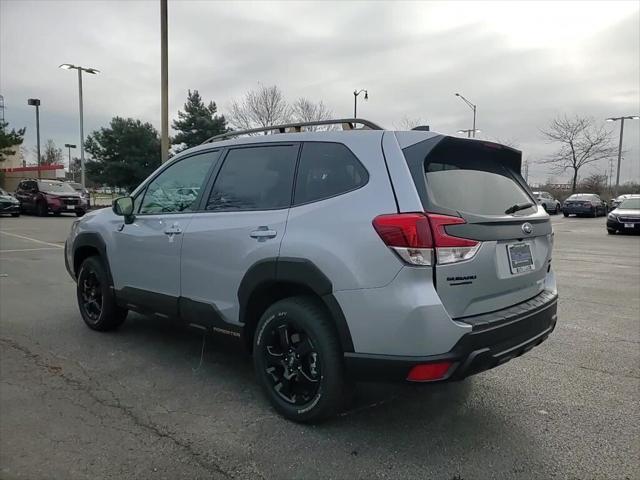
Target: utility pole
(164, 83)
(621, 119)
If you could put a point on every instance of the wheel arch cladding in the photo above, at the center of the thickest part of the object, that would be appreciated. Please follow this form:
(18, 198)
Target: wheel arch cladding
(88, 244)
(273, 279)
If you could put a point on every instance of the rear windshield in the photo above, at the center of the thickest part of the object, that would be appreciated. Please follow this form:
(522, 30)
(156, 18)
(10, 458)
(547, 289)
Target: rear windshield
(582, 196)
(453, 174)
(482, 186)
(630, 203)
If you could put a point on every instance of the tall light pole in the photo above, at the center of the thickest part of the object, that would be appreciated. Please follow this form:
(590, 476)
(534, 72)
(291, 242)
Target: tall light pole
(355, 100)
(35, 102)
(92, 71)
(70, 146)
(472, 107)
(164, 83)
(621, 119)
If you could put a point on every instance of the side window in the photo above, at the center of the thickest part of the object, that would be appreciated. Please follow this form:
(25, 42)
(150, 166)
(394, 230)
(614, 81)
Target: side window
(176, 188)
(255, 178)
(326, 170)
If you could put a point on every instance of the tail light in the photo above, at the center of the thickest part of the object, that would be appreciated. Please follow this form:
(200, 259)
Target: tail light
(421, 239)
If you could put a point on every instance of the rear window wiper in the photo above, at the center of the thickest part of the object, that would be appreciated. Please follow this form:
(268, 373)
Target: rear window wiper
(517, 207)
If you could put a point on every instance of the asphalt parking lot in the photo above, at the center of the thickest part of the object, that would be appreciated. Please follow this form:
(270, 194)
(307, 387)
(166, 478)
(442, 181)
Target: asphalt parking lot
(151, 401)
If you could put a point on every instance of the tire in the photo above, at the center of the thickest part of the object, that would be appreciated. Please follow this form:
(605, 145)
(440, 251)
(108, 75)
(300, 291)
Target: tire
(298, 360)
(557, 209)
(41, 209)
(566, 214)
(15, 215)
(80, 213)
(96, 301)
(611, 231)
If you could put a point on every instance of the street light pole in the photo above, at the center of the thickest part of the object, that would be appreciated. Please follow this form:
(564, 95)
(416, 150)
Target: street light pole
(92, 71)
(82, 179)
(73, 173)
(355, 100)
(473, 107)
(36, 103)
(621, 119)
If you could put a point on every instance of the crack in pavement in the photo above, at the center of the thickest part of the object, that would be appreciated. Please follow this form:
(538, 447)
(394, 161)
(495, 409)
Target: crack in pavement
(591, 369)
(54, 370)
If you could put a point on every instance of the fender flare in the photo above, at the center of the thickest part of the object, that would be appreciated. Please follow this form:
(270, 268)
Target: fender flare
(94, 240)
(297, 271)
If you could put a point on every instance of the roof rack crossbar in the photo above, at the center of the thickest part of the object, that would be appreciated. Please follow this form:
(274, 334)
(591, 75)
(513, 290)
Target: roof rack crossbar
(347, 124)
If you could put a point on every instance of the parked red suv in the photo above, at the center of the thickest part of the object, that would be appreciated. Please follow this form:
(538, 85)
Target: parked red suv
(44, 196)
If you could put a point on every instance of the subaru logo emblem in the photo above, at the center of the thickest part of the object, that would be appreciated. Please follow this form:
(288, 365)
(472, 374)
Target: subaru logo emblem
(527, 228)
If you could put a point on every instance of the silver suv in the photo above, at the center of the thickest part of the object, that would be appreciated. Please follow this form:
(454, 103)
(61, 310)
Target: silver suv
(332, 256)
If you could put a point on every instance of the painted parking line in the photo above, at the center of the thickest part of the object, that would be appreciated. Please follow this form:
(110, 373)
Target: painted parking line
(31, 239)
(28, 249)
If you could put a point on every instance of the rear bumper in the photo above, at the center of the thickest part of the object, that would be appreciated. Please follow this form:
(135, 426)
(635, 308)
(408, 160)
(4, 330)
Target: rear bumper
(495, 339)
(578, 210)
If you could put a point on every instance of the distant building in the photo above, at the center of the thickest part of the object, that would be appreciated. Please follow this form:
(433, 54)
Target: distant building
(13, 169)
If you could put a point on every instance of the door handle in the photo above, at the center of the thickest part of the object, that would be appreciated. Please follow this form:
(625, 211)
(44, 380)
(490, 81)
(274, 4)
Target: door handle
(173, 230)
(263, 233)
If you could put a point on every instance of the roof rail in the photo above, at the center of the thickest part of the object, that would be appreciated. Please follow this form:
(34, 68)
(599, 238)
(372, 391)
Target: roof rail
(347, 124)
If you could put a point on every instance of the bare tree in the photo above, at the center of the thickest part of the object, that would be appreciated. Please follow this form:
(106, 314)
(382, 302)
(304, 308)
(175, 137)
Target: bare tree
(52, 155)
(408, 123)
(305, 110)
(594, 183)
(581, 143)
(262, 107)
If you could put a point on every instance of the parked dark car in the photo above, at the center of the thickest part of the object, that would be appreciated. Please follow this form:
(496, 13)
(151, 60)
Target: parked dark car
(84, 193)
(584, 204)
(9, 205)
(44, 196)
(625, 218)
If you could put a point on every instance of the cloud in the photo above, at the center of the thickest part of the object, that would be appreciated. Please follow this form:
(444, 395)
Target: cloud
(521, 63)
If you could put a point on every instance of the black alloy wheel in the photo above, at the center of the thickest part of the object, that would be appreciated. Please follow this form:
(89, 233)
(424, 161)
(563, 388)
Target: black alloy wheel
(41, 208)
(91, 293)
(299, 361)
(291, 363)
(96, 300)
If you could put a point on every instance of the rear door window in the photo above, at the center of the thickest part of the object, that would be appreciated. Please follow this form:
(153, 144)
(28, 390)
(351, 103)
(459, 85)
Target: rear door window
(255, 178)
(327, 170)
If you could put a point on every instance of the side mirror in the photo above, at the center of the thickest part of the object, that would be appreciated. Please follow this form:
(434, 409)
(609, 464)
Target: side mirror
(123, 206)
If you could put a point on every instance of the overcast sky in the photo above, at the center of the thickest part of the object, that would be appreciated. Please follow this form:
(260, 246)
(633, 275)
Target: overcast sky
(521, 63)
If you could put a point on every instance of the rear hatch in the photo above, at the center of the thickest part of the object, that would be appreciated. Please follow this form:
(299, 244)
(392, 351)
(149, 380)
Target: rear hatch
(473, 190)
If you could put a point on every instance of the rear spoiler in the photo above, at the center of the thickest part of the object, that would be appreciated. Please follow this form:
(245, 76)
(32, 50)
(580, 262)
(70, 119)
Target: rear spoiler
(507, 155)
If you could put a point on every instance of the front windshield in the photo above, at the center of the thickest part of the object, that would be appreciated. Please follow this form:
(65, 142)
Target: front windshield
(631, 203)
(55, 187)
